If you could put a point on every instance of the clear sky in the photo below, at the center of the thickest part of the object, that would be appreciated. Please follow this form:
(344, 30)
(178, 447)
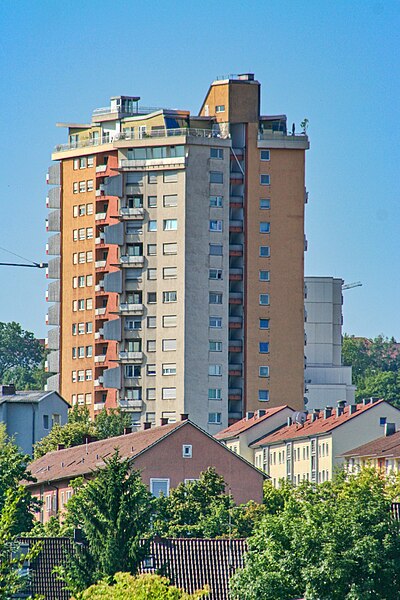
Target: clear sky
(334, 62)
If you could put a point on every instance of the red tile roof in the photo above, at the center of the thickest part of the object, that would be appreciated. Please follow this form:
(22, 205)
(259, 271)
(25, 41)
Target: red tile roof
(385, 446)
(317, 427)
(83, 459)
(244, 424)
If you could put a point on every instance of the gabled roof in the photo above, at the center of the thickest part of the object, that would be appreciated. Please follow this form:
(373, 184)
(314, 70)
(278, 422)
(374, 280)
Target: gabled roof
(385, 446)
(29, 396)
(244, 424)
(86, 458)
(319, 426)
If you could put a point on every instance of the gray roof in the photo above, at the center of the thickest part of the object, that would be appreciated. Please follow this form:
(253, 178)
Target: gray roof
(29, 396)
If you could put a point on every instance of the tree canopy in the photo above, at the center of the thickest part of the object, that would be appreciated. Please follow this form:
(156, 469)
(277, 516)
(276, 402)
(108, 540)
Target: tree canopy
(333, 541)
(21, 357)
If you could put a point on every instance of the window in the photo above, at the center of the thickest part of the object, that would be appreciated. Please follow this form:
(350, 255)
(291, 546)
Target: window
(264, 155)
(89, 185)
(151, 249)
(151, 345)
(151, 297)
(170, 224)
(264, 179)
(265, 227)
(169, 273)
(151, 273)
(74, 328)
(81, 234)
(151, 417)
(264, 323)
(89, 351)
(81, 375)
(216, 177)
(265, 203)
(150, 370)
(216, 153)
(215, 274)
(263, 371)
(215, 322)
(265, 251)
(82, 187)
(214, 418)
(88, 398)
(76, 164)
(81, 352)
(216, 249)
(75, 235)
(214, 370)
(187, 451)
(88, 374)
(89, 327)
(151, 322)
(81, 257)
(152, 177)
(169, 369)
(169, 321)
(134, 178)
(74, 282)
(215, 298)
(89, 303)
(152, 226)
(74, 305)
(170, 176)
(159, 487)
(169, 345)
(220, 108)
(75, 211)
(170, 200)
(264, 347)
(75, 258)
(382, 421)
(81, 304)
(152, 201)
(264, 299)
(151, 394)
(90, 161)
(89, 280)
(216, 225)
(169, 393)
(216, 201)
(169, 297)
(81, 281)
(74, 377)
(214, 346)
(45, 421)
(263, 275)
(89, 256)
(132, 371)
(133, 324)
(75, 187)
(263, 395)
(89, 233)
(171, 248)
(214, 394)
(82, 210)
(82, 163)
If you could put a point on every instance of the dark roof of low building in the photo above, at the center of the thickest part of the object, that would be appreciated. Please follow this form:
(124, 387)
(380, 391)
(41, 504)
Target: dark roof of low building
(237, 428)
(189, 564)
(385, 447)
(28, 396)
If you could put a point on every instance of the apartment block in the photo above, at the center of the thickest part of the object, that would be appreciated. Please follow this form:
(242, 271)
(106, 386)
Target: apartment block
(178, 252)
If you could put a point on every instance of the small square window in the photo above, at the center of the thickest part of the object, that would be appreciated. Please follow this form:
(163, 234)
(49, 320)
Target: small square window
(215, 346)
(151, 345)
(263, 275)
(215, 298)
(265, 155)
(170, 176)
(151, 273)
(152, 177)
(151, 249)
(217, 153)
(263, 371)
(151, 297)
(152, 201)
(216, 225)
(151, 322)
(264, 347)
(170, 224)
(265, 180)
(216, 177)
(187, 451)
(215, 370)
(215, 322)
(214, 418)
(264, 323)
(151, 394)
(216, 201)
(265, 203)
(220, 108)
(216, 249)
(170, 200)
(265, 251)
(151, 370)
(265, 227)
(215, 274)
(152, 226)
(264, 299)
(263, 395)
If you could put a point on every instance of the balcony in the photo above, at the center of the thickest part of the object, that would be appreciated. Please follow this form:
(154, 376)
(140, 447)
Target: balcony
(235, 322)
(235, 250)
(131, 213)
(235, 370)
(129, 260)
(100, 358)
(133, 405)
(98, 382)
(131, 309)
(235, 346)
(101, 168)
(99, 334)
(101, 216)
(100, 239)
(99, 287)
(99, 312)
(99, 405)
(235, 274)
(152, 162)
(236, 201)
(100, 264)
(236, 226)
(235, 298)
(136, 357)
(235, 394)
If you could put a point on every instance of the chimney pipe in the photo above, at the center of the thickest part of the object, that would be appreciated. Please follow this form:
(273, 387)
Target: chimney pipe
(389, 429)
(314, 417)
(60, 446)
(374, 399)
(339, 411)
(146, 425)
(184, 416)
(249, 415)
(352, 409)
(261, 412)
(327, 412)
(289, 421)
(7, 390)
(164, 421)
(127, 430)
(366, 401)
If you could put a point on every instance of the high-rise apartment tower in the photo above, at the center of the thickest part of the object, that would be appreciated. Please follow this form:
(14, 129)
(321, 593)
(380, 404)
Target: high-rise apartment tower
(177, 264)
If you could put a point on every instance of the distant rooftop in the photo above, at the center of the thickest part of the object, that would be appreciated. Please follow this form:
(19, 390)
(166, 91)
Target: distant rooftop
(248, 422)
(9, 394)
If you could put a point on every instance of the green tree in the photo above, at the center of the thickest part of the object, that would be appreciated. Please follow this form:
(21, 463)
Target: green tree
(13, 469)
(107, 424)
(18, 349)
(11, 560)
(144, 587)
(355, 354)
(114, 511)
(381, 384)
(334, 541)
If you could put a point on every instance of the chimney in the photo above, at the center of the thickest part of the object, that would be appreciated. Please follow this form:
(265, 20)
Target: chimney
(60, 446)
(339, 411)
(289, 421)
(374, 399)
(146, 425)
(328, 412)
(7, 390)
(341, 403)
(249, 415)
(127, 430)
(261, 412)
(163, 421)
(352, 409)
(314, 417)
(184, 416)
(366, 401)
(390, 429)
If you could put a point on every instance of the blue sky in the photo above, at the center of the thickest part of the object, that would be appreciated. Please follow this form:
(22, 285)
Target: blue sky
(336, 63)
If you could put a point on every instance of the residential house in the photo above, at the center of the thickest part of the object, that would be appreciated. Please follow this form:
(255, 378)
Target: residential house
(382, 453)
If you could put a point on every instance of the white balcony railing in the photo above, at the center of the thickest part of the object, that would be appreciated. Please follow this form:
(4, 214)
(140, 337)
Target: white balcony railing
(135, 309)
(132, 356)
(100, 311)
(131, 260)
(100, 358)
